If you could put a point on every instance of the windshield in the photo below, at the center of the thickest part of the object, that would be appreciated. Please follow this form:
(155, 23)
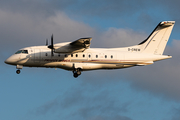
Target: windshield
(22, 51)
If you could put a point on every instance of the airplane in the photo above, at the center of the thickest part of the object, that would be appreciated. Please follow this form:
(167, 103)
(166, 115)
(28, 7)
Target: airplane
(77, 56)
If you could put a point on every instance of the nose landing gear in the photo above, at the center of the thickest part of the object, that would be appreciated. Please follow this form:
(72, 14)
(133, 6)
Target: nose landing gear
(18, 67)
(18, 71)
(76, 72)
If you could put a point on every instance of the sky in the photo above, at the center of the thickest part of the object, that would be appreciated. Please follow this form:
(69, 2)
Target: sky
(137, 93)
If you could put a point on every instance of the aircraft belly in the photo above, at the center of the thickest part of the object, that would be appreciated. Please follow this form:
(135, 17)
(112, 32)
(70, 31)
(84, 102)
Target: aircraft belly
(63, 65)
(91, 66)
(84, 66)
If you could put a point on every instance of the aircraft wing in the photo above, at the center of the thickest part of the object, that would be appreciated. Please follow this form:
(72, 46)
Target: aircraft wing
(77, 46)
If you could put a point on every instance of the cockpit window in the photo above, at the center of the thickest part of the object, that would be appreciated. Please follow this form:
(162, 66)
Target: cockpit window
(25, 51)
(19, 51)
(22, 51)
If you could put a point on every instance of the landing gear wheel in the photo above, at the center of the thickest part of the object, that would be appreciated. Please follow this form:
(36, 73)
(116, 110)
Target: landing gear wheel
(18, 71)
(76, 72)
(76, 75)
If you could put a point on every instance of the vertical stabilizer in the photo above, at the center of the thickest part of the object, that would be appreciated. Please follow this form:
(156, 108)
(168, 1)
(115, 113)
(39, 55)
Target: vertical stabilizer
(157, 40)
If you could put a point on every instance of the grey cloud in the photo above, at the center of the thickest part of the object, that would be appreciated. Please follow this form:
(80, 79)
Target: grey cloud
(19, 30)
(114, 9)
(88, 7)
(162, 78)
(43, 8)
(110, 8)
(123, 7)
(120, 38)
(110, 118)
(138, 12)
(52, 106)
(86, 105)
(171, 7)
(176, 115)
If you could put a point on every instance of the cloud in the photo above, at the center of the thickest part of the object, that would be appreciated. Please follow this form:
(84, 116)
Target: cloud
(110, 118)
(22, 30)
(162, 78)
(176, 115)
(36, 7)
(105, 8)
(83, 104)
(114, 37)
(141, 11)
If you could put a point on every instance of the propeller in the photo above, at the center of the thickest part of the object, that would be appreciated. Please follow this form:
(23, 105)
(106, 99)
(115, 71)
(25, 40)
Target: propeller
(46, 42)
(51, 46)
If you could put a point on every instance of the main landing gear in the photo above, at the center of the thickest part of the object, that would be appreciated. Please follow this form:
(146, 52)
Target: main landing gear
(76, 72)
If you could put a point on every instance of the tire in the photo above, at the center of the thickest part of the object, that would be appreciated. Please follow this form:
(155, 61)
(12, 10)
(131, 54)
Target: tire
(75, 75)
(18, 71)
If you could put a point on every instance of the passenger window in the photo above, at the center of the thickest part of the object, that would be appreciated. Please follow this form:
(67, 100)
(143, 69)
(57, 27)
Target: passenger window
(76, 55)
(83, 55)
(65, 55)
(89, 56)
(71, 55)
(59, 55)
(96, 56)
(46, 54)
(105, 56)
(111, 56)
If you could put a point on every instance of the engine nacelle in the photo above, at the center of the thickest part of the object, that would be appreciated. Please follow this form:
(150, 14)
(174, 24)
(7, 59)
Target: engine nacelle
(66, 48)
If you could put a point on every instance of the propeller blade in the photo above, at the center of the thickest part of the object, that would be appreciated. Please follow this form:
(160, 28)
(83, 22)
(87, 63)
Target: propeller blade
(46, 42)
(52, 46)
(52, 52)
(52, 41)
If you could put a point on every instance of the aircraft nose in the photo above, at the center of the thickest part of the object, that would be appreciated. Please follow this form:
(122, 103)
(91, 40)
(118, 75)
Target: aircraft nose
(8, 61)
(11, 60)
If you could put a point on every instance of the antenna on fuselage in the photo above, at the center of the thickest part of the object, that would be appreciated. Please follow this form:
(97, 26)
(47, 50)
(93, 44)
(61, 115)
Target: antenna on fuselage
(51, 46)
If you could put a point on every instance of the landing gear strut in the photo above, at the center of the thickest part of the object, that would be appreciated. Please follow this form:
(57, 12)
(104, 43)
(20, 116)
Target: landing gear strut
(76, 72)
(18, 67)
(18, 71)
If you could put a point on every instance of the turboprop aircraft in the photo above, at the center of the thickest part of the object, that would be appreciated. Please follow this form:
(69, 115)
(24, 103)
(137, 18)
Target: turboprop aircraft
(77, 56)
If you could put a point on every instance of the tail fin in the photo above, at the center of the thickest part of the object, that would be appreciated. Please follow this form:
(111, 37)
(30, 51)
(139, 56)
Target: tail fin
(157, 40)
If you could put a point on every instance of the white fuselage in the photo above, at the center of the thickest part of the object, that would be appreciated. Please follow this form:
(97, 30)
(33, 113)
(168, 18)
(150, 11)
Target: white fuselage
(90, 59)
(77, 56)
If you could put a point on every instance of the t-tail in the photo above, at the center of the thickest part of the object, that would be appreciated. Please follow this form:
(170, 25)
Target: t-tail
(157, 40)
